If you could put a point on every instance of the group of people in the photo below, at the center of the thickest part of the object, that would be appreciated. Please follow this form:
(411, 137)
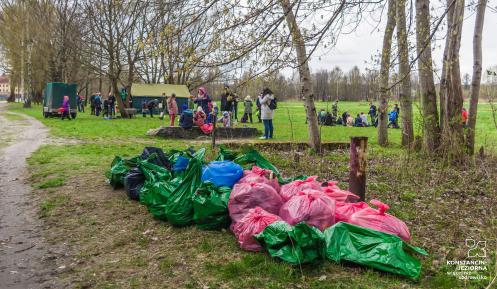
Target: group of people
(98, 105)
(361, 119)
(202, 110)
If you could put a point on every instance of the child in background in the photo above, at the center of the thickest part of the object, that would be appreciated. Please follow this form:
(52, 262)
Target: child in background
(65, 108)
(199, 117)
(172, 108)
(186, 118)
(226, 119)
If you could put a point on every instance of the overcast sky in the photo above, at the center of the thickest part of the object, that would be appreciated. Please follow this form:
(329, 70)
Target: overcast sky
(356, 48)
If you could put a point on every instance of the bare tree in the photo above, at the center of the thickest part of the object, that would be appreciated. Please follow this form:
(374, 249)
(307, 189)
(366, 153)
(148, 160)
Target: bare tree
(427, 84)
(385, 74)
(404, 71)
(476, 80)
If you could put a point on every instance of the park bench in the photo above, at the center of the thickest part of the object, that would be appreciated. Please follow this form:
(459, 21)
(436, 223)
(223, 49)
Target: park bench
(131, 112)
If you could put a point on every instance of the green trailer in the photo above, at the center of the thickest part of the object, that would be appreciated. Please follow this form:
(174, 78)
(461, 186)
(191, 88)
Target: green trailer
(54, 95)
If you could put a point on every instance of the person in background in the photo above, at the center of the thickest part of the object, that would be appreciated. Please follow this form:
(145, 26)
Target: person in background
(203, 100)
(186, 117)
(92, 104)
(112, 105)
(226, 119)
(66, 108)
(214, 112)
(267, 113)
(321, 116)
(345, 115)
(373, 112)
(79, 102)
(334, 109)
(200, 117)
(235, 106)
(349, 120)
(172, 108)
(227, 99)
(247, 111)
(144, 108)
(364, 119)
(358, 121)
(392, 118)
(464, 117)
(397, 108)
(106, 106)
(98, 104)
(151, 105)
(258, 105)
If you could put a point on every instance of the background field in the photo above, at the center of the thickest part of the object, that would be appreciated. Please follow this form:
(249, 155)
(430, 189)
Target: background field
(112, 242)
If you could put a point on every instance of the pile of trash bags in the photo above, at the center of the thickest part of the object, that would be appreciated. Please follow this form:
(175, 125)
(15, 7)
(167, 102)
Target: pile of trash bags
(297, 220)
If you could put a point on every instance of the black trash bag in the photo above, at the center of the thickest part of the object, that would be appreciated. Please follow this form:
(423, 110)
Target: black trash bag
(133, 182)
(160, 158)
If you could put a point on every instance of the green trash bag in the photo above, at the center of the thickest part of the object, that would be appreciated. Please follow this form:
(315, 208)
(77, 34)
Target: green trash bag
(371, 248)
(296, 245)
(179, 209)
(153, 172)
(226, 154)
(118, 170)
(155, 196)
(210, 207)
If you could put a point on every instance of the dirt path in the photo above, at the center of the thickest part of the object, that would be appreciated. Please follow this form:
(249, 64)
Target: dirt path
(25, 260)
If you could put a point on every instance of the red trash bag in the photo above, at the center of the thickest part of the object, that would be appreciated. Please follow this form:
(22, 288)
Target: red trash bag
(377, 219)
(246, 196)
(254, 222)
(343, 210)
(340, 195)
(311, 206)
(207, 128)
(292, 188)
(61, 109)
(258, 175)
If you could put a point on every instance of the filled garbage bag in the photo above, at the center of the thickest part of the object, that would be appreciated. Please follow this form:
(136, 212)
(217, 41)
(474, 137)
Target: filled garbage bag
(210, 207)
(181, 164)
(375, 249)
(258, 175)
(156, 196)
(296, 245)
(179, 209)
(254, 158)
(343, 211)
(247, 196)
(377, 219)
(207, 128)
(153, 172)
(222, 173)
(133, 182)
(226, 154)
(254, 222)
(118, 170)
(292, 188)
(340, 195)
(311, 206)
(156, 156)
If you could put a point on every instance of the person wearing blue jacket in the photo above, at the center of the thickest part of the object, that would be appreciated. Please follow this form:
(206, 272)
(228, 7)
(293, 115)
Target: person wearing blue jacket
(392, 118)
(186, 118)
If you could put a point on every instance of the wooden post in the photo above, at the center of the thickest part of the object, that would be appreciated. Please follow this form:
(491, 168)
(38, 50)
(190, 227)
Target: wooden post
(357, 174)
(213, 134)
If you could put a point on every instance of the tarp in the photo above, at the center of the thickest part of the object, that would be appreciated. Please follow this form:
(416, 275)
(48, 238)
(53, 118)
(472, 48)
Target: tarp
(382, 251)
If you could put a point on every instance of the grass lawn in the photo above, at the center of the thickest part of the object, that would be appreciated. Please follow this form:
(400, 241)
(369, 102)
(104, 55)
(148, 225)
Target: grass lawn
(113, 242)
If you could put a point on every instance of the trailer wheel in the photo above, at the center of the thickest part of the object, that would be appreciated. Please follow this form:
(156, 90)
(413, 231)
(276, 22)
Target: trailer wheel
(73, 115)
(45, 114)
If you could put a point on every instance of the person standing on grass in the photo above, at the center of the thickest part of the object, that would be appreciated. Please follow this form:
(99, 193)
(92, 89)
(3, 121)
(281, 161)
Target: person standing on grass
(66, 108)
(334, 109)
(267, 113)
(112, 105)
(258, 105)
(151, 105)
(372, 112)
(98, 104)
(172, 108)
(464, 117)
(247, 103)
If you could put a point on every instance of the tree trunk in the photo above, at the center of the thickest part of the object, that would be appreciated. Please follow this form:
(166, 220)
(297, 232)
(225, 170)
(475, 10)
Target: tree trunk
(443, 78)
(427, 84)
(405, 74)
(305, 76)
(475, 82)
(453, 134)
(384, 75)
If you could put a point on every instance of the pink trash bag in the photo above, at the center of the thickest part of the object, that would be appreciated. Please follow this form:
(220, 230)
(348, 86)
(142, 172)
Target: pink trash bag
(291, 189)
(377, 219)
(258, 175)
(340, 195)
(311, 206)
(254, 222)
(246, 196)
(343, 210)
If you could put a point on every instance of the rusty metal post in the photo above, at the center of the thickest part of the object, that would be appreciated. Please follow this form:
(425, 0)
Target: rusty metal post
(357, 174)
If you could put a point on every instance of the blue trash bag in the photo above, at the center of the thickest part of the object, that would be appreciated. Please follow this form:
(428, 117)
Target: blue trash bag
(181, 164)
(222, 173)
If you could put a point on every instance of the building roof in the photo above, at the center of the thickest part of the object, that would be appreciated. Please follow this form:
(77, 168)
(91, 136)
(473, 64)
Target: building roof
(156, 90)
(4, 78)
